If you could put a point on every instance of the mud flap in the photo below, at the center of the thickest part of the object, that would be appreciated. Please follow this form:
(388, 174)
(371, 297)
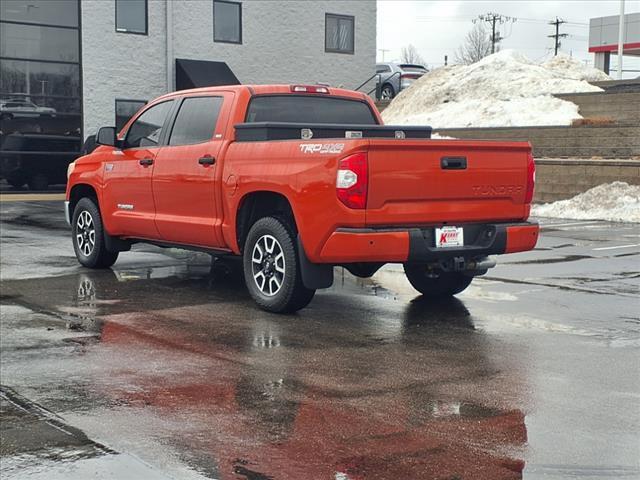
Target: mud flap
(314, 275)
(115, 244)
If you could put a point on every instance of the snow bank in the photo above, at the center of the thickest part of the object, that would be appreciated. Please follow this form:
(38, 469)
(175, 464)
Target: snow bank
(569, 67)
(615, 202)
(503, 89)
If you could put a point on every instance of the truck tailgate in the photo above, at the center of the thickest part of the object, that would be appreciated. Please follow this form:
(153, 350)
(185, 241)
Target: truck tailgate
(444, 181)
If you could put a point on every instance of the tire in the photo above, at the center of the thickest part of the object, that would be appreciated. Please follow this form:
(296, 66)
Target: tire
(38, 182)
(88, 236)
(436, 284)
(271, 267)
(387, 92)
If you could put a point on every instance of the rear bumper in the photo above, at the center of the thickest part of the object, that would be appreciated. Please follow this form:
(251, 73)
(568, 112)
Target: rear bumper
(418, 244)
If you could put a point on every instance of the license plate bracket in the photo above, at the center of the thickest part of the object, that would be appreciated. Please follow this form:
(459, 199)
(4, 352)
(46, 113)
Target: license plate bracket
(449, 236)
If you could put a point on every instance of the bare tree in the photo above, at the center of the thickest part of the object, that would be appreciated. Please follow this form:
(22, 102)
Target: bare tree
(410, 55)
(476, 46)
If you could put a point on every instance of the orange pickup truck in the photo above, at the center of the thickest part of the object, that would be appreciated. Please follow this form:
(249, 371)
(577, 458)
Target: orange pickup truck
(298, 179)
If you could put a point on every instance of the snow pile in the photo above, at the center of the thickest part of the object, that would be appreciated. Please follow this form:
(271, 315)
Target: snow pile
(569, 67)
(615, 202)
(503, 89)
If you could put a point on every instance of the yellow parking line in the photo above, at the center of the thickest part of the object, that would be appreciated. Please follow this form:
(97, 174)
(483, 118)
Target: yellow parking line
(31, 197)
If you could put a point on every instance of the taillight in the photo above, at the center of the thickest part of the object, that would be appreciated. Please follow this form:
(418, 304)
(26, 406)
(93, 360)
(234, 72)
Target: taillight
(413, 76)
(309, 89)
(531, 178)
(352, 181)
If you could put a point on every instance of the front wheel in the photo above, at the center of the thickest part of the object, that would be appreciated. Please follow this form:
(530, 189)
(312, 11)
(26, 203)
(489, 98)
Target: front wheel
(88, 236)
(436, 283)
(271, 267)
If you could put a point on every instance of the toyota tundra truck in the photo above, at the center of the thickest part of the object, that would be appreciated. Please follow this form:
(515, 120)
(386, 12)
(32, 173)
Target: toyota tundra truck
(298, 179)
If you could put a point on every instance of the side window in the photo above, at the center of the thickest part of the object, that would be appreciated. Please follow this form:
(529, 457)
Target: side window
(145, 131)
(125, 109)
(196, 120)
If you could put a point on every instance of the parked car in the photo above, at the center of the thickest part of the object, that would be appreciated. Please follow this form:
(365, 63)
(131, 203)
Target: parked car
(395, 77)
(297, 179)
(36, 159)
(22, 108)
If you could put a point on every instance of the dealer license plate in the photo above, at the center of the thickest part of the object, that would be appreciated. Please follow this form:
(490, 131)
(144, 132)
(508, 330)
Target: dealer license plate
(449, 237)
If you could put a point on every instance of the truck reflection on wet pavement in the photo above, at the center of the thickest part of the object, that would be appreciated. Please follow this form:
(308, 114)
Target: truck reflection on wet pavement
(270, 397)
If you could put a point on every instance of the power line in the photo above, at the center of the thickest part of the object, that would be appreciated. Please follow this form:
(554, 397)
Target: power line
(492, 19)
(557, 35)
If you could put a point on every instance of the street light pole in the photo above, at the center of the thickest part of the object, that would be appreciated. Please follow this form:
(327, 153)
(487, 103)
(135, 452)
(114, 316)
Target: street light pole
(620, 39)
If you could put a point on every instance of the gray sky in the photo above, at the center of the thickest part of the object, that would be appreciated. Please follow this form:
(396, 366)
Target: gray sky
(437, 27)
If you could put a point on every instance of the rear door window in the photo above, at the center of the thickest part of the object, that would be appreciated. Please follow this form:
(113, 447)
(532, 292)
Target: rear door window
(309, 109)
(196, 120)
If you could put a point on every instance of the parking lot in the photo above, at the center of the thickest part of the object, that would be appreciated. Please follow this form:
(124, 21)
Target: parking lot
(162, 367)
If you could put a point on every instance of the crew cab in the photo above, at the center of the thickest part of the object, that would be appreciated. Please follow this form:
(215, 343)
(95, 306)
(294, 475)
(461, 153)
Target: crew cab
(298, 179)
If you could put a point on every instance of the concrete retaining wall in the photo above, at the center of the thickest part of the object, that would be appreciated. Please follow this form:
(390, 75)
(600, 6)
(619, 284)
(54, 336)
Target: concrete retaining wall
(557, 179)
(624, 108)
(554, 142)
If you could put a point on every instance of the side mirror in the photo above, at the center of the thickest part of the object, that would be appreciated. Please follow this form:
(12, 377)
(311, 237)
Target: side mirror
(107, 136)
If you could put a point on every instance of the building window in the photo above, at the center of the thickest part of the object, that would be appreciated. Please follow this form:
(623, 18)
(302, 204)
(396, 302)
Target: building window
(196, 120)
(125, 109)
(227, 21)
(63, 13)
(131, 16)
(339, 33)
(40, 68)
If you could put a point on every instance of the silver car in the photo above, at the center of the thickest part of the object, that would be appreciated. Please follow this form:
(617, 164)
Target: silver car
(395, 77)
(16, 108)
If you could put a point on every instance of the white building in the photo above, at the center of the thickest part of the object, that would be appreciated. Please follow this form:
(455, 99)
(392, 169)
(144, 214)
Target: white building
(95, 62)
(603, 38)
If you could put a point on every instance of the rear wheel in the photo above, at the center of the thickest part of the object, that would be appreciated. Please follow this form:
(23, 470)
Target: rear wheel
(271, 267)
(387, 92)
(436, 283)
(88, 236)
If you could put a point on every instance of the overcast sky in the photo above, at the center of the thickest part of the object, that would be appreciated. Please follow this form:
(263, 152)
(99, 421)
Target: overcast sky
(437, 28)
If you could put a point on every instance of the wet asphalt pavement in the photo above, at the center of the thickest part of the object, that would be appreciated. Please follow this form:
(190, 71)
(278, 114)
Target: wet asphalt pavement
(163, 368)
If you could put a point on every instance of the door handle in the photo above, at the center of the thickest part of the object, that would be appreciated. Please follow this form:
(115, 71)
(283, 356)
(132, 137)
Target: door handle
(207, 160)
(453, 163)
(146, 162)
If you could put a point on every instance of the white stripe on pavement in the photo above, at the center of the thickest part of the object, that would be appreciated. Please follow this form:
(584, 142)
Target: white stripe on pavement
(619, 246)
(569, 224)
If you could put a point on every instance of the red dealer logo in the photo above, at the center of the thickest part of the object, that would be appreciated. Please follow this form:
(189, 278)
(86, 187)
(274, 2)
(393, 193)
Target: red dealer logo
(446, 236)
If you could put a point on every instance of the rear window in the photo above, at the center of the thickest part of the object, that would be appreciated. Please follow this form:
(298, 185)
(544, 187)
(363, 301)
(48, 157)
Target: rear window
(413, 68)
(309, 109)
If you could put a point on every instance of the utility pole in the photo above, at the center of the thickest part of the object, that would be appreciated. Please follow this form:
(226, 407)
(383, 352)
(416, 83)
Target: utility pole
(383, 50)
(557, 35)
(493, 19)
